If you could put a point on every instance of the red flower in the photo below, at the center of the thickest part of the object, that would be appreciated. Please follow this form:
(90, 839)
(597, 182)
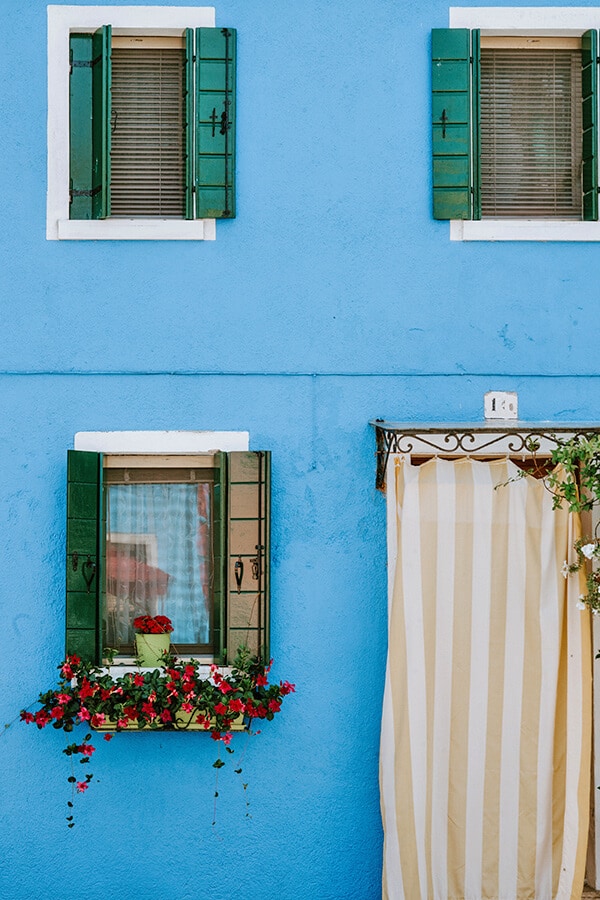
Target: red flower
(98, 720)
(274, 705)
(130, 712)
(27, 716)
(83, 714)
(148, 710)
(138, 680)
(166, 716)
(105, 694)
(286, 688)
(57, 712)
(224, 687)
(220, 709)
(86, 690)
(152, 625)
(82, 786)
(262, 680)
(86, 749)
(236, 705)
(108, 737)
(41, 718)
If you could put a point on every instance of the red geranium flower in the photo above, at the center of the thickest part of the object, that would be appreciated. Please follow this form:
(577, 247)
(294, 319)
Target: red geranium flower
(152, 625)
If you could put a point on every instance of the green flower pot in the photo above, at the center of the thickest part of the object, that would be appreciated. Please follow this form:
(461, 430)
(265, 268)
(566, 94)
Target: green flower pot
(150, 647)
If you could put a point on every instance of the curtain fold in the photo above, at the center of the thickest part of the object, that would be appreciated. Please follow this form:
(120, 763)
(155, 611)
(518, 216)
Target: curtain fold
(486, 729)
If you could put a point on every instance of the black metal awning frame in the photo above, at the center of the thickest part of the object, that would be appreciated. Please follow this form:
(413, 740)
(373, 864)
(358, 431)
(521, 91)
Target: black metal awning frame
(498, 437)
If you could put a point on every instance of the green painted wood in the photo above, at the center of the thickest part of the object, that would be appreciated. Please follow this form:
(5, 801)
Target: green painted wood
(84, 555)
(248, 543)
(101, 121)
(589, 88)
(451, 122)
(219, 543)
(215, 122)
(80, 126)
(189, 123)
(476, 123)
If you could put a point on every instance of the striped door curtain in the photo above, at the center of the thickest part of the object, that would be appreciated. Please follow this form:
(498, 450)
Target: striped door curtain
(486, 731)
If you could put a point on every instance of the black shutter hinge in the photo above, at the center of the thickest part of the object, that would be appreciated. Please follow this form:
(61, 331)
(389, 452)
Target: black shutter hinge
(92, 193)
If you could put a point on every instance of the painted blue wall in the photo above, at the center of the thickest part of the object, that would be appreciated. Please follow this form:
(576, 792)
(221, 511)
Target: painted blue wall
(333, 298)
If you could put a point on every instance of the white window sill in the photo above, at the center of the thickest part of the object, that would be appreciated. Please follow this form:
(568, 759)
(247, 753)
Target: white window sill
(524, 230)
(135, 230)
(118, 670)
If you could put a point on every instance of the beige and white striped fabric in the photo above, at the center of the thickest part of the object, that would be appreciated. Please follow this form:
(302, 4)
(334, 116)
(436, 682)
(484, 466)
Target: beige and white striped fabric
(486, 732)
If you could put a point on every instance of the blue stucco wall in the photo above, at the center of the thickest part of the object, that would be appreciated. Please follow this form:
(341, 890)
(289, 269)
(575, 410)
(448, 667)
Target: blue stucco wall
(332, 299)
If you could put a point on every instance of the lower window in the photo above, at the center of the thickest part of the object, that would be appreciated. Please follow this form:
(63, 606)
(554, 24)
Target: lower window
(180, 536)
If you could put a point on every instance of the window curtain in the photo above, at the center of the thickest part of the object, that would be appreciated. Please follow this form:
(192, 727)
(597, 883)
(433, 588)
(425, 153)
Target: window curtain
(158, 559)
(486, 730)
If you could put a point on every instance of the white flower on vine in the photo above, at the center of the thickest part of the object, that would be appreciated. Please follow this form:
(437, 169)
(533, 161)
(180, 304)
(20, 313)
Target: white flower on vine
(565, 569)
(588, 550)
(580, 604)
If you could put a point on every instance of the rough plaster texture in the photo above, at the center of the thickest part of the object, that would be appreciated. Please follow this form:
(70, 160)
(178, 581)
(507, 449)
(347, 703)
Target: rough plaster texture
(333, 298)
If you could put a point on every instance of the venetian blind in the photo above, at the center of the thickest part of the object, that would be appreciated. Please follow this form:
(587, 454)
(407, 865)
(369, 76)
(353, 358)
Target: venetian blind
(147, 125)
(531, 132)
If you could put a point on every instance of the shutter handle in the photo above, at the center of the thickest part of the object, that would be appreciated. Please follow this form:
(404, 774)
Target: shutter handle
(88, 570)
(444, 119)
(239, 573)
(114, 115)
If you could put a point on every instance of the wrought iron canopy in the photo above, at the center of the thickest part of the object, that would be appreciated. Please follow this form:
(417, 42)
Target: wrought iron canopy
(494, 437)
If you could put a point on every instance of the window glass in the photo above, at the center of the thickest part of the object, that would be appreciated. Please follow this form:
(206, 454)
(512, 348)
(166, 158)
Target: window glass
(159, 560)
(531, 132)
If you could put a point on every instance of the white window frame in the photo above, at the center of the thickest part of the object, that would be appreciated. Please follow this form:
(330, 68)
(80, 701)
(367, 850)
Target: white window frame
(548, 21)
(63, 21)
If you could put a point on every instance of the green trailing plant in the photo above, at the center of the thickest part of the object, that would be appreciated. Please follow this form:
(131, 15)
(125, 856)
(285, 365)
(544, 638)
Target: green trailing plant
(577, 484)
(175, 697)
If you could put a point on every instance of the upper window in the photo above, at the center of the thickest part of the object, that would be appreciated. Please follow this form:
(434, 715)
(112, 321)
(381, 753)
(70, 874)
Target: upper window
(142, 132)
(180, 535)
(515, 134)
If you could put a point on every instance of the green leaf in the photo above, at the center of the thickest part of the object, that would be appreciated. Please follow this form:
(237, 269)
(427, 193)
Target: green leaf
(218, 764)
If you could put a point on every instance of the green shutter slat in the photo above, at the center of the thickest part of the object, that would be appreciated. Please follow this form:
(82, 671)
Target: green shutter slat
(215, 122)
(219, 537)
(189, 123)
(248, 544)
(101, 121)
(84, 573)
(589, 89)
(80, 126)
(451, 112)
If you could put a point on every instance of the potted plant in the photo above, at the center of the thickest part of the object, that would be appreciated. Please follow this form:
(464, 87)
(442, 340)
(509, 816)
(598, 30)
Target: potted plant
(152, 639)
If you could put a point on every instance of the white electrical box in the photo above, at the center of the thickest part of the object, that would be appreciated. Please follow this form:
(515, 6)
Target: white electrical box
(501, 405)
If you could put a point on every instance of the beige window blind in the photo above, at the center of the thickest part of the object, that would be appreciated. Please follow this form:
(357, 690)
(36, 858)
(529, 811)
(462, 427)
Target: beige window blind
(147, 125)
(531, 132)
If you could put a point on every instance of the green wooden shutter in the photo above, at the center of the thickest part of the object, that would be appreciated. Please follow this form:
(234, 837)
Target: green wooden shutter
(219, 543)
(248, 549)
(101, 122)
(215, 123)
(84, 555)
(80, 126)
(589, 88)
(188, 107)
(452, 116)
